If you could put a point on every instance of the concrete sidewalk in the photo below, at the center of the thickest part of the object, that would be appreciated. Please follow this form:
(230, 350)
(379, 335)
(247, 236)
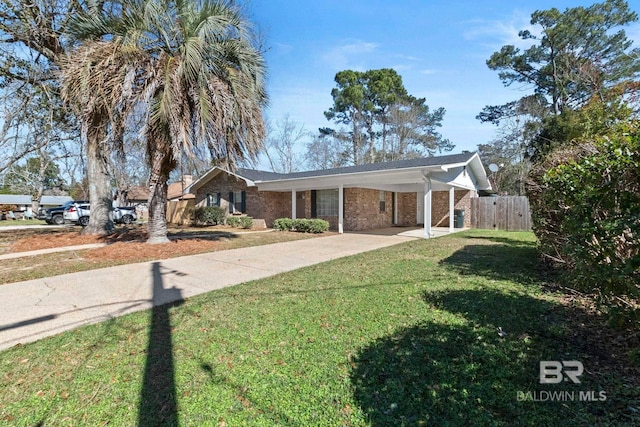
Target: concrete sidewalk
(38, 308)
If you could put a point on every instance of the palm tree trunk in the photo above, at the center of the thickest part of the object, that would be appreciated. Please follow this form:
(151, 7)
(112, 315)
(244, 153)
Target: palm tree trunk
(100, 222)
(162, 164)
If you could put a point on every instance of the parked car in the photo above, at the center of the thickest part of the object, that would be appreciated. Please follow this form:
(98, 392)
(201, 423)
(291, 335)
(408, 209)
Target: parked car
(56, 215)
(78, 213)
(124, 215)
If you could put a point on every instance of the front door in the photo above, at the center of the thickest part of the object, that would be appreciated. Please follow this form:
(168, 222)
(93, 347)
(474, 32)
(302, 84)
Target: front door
(300, 208)
(420, 210)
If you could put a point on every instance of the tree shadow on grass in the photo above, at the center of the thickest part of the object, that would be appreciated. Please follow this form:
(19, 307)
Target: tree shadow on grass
(498, 259)
(158, 400)
(460, 372)
(456, 370)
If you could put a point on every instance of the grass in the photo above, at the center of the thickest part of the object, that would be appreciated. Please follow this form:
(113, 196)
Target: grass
(400, 336)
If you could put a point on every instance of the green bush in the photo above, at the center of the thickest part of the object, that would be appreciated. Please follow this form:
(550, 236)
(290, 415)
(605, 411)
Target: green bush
(208, 215)
(301, 225)
(585, 204)
(246, 222)
(283, 224)
(311, 225)
(240, 221)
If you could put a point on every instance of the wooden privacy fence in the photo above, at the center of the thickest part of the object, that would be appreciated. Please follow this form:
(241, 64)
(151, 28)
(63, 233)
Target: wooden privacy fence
(178, 212)
(510, 213)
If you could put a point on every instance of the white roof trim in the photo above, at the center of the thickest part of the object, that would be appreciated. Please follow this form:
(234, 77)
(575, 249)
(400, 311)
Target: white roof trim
(212, 173)
(448, 174)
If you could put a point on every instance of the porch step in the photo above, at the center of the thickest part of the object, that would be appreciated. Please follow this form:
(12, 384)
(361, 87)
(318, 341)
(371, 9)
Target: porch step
(259, 223)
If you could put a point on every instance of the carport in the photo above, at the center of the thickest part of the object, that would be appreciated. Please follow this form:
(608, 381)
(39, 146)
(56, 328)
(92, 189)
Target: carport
(421, 176)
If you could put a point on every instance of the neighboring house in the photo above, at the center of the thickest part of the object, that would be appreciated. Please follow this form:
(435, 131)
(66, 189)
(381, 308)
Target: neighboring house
(176, 190)
(138, 196)
(423, 191)
(23, 202)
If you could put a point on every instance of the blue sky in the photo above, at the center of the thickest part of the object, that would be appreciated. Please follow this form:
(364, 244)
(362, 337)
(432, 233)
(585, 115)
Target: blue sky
(438, 47)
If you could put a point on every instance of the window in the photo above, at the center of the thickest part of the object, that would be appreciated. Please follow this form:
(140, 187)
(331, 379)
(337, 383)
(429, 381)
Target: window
(383, 201)
(327, 203)
(237, 202)
(213, 199)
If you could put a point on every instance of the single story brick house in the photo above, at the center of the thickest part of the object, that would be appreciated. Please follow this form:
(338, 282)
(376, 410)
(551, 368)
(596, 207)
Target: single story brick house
(423, 191)
(23, 202)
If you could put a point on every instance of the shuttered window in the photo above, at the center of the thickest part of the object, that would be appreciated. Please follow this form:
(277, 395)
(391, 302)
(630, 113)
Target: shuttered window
(237, 202)
(213, 199)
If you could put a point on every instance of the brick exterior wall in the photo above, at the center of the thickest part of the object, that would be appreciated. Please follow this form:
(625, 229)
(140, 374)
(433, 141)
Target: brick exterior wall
(408, 205)
(361, 205)
(362, 209)
(407, 209)
(440, 207)
(267, 205)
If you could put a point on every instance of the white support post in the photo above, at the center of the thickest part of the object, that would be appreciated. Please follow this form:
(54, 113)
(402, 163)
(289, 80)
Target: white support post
(341, 209)
(427, 207)
(452, 205)
(395, 208)
(293, 204)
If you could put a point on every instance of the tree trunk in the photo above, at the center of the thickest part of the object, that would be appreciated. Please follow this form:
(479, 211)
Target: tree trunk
(372, 140)
(356, 143)
(100, 222)
(36, 196)
(162, 163)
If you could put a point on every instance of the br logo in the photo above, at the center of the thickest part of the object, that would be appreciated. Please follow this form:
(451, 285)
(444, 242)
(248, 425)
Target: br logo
(554, 371)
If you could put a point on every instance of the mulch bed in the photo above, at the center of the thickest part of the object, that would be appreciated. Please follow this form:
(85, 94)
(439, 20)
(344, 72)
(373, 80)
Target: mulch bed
(124, 243)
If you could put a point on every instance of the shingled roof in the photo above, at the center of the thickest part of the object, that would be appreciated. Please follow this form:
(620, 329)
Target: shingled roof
(257, 175)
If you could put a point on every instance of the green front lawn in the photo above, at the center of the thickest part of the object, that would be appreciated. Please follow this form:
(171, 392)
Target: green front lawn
(401, 336)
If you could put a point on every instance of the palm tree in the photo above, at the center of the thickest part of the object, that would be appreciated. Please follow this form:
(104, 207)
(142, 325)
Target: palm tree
(92, 96)
(192, 68)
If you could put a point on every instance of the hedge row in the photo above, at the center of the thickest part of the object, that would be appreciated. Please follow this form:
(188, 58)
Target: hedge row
(585, 203)
(301, 225)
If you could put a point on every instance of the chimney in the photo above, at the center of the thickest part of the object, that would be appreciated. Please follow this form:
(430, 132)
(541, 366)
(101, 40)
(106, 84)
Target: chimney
(187, 180)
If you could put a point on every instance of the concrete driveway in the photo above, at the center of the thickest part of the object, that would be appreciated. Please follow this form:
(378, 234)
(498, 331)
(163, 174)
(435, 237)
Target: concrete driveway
(39, 308)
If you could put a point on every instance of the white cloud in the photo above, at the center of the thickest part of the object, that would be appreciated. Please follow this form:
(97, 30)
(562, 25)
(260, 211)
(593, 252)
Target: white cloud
(282, 48)
(349, 55)
(428, 72)
(400, 68)
(493, 34)
(409, 57)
